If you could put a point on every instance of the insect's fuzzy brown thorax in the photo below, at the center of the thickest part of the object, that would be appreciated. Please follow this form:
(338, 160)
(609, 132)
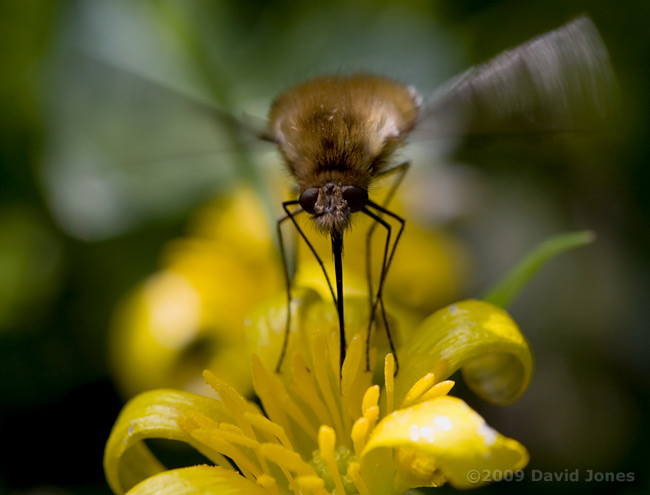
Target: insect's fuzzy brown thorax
(341, 129)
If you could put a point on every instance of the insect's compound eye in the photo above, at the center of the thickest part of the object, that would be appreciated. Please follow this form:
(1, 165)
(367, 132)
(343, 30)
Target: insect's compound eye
(355, 196)
(308, 199)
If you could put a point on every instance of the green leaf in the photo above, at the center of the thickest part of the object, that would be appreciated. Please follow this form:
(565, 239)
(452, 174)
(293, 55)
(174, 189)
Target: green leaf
(503, 293)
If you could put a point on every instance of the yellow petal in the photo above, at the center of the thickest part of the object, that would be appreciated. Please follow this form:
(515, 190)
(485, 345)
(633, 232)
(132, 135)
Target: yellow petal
(189, 315)
(473, 335)
(266, 326)
(197, 480)
(156, 414)
(445, 439)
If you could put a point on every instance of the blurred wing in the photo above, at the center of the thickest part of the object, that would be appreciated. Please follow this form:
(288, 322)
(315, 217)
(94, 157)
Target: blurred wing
(123, 148)
(246, 127)
(560, 81)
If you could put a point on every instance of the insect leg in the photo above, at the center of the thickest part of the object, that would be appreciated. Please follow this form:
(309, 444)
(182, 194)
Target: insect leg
(400, 171)
(285, 206)
(397, 218)
(387, 258)
(291, 216)
(287, 278)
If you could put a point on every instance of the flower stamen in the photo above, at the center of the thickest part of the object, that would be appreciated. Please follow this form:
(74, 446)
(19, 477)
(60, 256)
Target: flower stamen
(355, 379)
(419, 388)
(268, 483)
(214, 440)
(237, 406)
(365, 424)
(359, 435)
(269, 427)
(438, 390)
(311, 484)
(288, 461)
(326, 443)
(278, 404)
(321, 364)
(354, 473)
(305, 388)
(389, 380)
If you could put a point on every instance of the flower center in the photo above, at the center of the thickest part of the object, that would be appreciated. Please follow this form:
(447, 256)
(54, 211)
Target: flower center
(343, 457)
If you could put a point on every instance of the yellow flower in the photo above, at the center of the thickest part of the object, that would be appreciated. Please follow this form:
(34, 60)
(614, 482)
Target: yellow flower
(321, 429)
(189, 315)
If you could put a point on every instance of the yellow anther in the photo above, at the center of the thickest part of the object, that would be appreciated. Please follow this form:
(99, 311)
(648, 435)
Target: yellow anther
(286, 458)
(231, 428)
(234, 402)
(311, 484)
(370, 398)
(305, 388)
(389, 379)
(354, 363)
(235, 437)
(355, 379)
(214, 441)
(359, 435)
(268, 483)
(327, 388)
(326, 444)
(278, 404)
(265, 425)
(372, 414)
(438, 390)
(419, 388)
(354, 473)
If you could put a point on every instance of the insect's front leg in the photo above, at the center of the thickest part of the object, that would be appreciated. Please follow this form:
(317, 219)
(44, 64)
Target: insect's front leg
(400, 172)
(290, 215)
(386, 261)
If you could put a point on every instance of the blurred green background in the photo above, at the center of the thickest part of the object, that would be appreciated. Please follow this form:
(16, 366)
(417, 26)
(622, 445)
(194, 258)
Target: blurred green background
(99, 168)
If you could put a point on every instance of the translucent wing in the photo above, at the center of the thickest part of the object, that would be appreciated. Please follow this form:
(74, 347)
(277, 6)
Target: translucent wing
(246, 127)
(124, 148)
(560, 81)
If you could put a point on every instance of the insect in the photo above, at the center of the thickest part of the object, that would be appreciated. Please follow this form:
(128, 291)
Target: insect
(337, 134)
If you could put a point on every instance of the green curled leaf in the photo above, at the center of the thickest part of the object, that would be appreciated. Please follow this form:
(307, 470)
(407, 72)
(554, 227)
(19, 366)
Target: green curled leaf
(155, 414)
(477, 337)
(509, 287)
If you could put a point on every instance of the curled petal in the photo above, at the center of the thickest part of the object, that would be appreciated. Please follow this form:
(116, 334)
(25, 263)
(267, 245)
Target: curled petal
(156, 414)
(477, 337)
(198, 480)
(444, 439)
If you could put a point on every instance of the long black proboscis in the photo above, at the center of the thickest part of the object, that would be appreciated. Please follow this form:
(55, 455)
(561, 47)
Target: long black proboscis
(337, 251)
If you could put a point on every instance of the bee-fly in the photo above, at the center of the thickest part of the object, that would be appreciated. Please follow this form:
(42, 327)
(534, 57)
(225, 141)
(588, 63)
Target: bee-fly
(337, 134)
